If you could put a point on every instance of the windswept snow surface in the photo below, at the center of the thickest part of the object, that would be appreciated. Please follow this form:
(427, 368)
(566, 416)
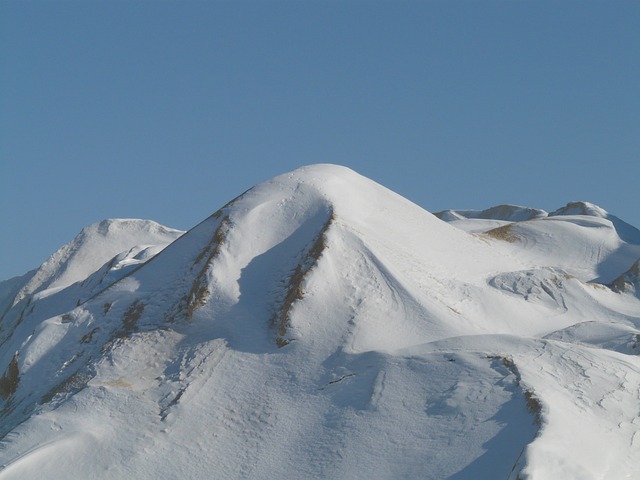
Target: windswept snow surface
(322, 326)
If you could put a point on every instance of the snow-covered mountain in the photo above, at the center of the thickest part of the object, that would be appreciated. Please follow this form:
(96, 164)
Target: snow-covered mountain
(322, 326)
(86, 253)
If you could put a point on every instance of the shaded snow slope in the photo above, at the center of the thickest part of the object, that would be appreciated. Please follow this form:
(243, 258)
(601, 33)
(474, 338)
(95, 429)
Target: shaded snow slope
(322, 326)
(10, 288)
(629, 281)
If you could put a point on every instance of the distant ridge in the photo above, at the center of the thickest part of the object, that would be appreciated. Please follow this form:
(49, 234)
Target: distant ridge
(90, 249)
(509, 213)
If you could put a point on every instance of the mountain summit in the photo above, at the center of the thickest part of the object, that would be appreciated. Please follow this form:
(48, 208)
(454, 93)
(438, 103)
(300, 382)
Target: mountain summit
(320, 325)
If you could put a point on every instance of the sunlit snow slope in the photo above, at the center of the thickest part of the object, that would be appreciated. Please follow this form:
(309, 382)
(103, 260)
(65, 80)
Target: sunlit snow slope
(322, 326)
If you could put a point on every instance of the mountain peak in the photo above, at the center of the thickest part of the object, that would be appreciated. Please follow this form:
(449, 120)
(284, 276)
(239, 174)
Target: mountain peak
(627, 233)
(91, 248)
(581, 208)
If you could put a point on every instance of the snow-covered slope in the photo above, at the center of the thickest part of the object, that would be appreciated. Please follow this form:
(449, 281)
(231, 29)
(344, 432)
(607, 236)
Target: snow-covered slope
(90, 249)
(322, 326)
(10, 288)
(627, 233)
(580, 237)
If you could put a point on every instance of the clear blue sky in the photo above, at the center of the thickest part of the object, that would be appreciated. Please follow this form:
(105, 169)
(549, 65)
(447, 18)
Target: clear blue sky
(167, 110)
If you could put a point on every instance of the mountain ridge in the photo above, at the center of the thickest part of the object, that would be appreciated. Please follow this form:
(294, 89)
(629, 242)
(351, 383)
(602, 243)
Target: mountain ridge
(90, 249)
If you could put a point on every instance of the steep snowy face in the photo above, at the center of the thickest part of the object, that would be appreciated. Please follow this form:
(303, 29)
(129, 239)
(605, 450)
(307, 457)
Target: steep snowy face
(321, 325)
(324, 236)
(91, 248)
(10, 288)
